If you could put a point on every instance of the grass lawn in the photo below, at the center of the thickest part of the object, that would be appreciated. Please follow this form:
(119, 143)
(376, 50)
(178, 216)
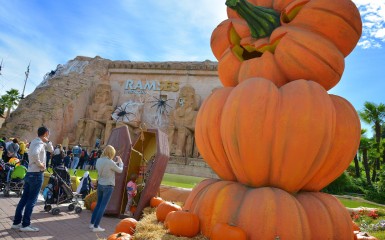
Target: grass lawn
(168, 179)
(354, 204)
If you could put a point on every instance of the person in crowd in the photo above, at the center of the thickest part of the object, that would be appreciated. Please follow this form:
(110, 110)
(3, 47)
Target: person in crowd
(76, 151)
(106, 168)
(83, 159)
(68, 160)
(33, 181)
(92, 159)
(1, 152)
(131, 189)
(22, 149)
(57, 158)
(13, 149)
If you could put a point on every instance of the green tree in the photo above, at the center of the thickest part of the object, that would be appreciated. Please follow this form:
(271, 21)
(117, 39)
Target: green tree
(364, 148)
(374, 114)
(9, 100)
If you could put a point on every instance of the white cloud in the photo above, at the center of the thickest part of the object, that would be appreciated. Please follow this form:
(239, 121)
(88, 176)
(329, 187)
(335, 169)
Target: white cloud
(373, 19)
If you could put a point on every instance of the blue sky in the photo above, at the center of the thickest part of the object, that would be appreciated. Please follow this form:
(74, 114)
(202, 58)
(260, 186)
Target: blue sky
(49, 33)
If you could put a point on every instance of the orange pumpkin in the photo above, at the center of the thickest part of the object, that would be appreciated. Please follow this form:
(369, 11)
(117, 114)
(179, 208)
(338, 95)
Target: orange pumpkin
(126, 225)
(267, 213)
(164, 208)
(314, 36)
(182, 223)
(155, 201)
(287, 137)
(93, 205)
(225, 231)
(119, 236)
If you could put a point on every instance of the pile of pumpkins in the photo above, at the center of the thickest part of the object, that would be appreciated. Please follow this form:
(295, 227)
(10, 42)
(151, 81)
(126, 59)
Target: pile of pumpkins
(273, 134)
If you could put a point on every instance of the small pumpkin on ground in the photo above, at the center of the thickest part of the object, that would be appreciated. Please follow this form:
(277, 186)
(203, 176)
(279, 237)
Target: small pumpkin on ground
(93, 205)
(165, 208)
(119, 236)
(182, 223)
(225, 231)
(126, 225)
(155, 201)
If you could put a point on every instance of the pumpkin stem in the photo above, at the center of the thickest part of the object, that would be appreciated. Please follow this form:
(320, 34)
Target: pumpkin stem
(262, 21)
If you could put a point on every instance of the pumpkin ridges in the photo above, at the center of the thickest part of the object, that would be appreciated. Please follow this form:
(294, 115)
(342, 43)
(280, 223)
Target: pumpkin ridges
(218, 43)
(314, 121)
(321, 219)
(196, 193)
(286, 214)
(323, 16)
(262, 156)
(202, 209)
(249, 122)
(207, 134)
(230, 204)
(324, 64)
(228, 76)
(344, 145)
(335, 212)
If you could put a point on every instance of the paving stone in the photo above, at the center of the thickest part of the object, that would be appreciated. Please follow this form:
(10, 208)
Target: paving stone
(66, 225)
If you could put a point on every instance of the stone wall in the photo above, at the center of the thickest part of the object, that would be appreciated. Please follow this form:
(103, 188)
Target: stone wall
(190, 166)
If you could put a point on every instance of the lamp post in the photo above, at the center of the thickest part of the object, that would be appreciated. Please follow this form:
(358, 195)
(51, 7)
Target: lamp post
(25, 82)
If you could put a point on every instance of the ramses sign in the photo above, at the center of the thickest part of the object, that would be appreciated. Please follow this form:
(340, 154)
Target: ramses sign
(139, 87)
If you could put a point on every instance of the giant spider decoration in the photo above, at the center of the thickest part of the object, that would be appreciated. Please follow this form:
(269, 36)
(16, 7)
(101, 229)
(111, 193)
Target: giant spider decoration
(161, 104)
(121, 113)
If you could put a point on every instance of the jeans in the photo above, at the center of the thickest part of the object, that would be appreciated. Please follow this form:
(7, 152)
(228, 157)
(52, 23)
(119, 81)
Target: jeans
(104, 194)
(32, 184)
(75, 163)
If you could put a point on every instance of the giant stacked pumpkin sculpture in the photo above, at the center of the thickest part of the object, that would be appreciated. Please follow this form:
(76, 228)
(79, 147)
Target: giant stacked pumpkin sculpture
(273, 134)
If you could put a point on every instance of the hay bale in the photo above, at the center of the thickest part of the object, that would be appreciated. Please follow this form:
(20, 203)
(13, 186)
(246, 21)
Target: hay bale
(149, 228)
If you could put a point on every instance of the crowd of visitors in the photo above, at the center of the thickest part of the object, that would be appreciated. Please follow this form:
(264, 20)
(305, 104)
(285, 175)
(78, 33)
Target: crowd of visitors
(40, 154)
(72, 158)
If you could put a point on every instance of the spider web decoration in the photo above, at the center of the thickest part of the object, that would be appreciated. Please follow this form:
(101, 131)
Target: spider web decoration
(161, 105)
(124, 112)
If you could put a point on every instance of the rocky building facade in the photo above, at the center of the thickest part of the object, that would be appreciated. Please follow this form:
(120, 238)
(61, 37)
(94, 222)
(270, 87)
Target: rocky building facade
(83, 100)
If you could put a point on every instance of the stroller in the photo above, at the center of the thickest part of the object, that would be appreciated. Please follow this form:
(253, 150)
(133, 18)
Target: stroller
(58, 191)
(12, 177)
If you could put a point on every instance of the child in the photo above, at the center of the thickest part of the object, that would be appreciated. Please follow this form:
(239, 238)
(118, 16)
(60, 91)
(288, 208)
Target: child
(85, 186)
(131, 192)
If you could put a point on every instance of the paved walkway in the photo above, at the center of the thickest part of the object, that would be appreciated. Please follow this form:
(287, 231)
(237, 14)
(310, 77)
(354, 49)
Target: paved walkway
(66, 225)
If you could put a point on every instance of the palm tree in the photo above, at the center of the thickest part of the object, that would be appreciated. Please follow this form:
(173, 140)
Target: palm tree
(9, 100)
(374, 114)
(364, 147)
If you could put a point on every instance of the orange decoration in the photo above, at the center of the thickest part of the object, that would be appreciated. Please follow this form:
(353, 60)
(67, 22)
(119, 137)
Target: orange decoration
(292, 137)
(126, 225)
(164, 208)
(155, 201)
(268, 213)
(310, 42)
(119, 236)
(182, 223)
